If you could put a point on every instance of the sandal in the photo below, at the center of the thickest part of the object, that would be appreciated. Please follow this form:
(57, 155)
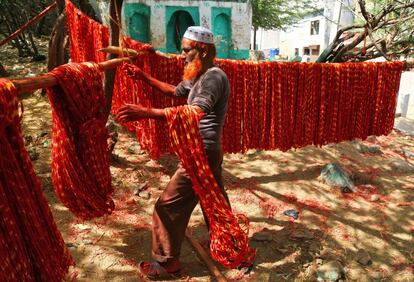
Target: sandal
(155, 271)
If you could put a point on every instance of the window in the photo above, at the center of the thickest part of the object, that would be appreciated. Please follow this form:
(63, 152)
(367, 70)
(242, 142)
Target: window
(314, 27)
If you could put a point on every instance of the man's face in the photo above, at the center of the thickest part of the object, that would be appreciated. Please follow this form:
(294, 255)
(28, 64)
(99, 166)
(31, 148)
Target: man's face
(192, 64)
(188, 52)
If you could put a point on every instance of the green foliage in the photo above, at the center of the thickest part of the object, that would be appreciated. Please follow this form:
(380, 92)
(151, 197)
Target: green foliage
(395, 28)
(274, 14)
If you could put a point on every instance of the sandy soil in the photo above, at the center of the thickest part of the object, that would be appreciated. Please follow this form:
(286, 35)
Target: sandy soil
(377, 220)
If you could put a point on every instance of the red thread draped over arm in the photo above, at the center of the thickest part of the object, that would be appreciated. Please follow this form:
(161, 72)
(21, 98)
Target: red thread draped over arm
(229, 242)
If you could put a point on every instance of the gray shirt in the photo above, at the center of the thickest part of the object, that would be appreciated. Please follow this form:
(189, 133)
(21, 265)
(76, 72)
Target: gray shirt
(210, 92)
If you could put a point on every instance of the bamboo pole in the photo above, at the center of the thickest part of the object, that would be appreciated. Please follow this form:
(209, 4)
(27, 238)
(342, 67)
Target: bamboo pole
(48, 80)
(204, 256)
(28, 24)
(116, 50)
(115, 26)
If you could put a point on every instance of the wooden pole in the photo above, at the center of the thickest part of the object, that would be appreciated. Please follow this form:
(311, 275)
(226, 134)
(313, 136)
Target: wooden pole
(116, 50)
(48, 80)
(57, 53)
(28, 24)
(205, 257)
(114, 29)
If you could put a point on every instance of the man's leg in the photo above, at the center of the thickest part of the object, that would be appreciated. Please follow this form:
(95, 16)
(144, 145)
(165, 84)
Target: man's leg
(215, 160)
(171, 214)
(173, 210)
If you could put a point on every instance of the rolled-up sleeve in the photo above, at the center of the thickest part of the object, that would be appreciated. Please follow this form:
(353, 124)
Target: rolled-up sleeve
(183, 89)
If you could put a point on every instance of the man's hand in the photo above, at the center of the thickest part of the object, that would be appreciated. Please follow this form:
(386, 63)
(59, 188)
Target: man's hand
(133, 71)
(132, 112)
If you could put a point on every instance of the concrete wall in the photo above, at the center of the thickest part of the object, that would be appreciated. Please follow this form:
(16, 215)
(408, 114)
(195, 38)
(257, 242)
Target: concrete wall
(202, 13)
(333, 14)
(267, 39)
(405, 105)
(101, 8)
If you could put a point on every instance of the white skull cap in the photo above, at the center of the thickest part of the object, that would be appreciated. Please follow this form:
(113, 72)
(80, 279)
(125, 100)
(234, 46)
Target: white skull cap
(199, 34)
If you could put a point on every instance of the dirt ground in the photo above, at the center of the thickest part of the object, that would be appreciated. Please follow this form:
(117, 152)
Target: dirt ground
(361, 236)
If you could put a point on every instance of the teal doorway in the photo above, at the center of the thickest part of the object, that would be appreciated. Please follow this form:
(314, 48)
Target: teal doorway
(222, 33)
(139, 27)
(177, 25)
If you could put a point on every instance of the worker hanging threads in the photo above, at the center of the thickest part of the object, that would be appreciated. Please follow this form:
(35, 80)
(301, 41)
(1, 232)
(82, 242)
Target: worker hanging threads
(198, 177)
(31, 246)
(80, 162)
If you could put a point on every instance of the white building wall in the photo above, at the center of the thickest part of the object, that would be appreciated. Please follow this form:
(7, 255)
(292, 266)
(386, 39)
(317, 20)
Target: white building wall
(340, 14)
(267, 39)
(405, 105)
(334, 14)
(241, 19)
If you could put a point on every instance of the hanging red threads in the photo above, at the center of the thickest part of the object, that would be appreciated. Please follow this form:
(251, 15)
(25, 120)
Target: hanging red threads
(31, 246)
(80, 162)
(229, 242)
(86, 36)
(293, 104)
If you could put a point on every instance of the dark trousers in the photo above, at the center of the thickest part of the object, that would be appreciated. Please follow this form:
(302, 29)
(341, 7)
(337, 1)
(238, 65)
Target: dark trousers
(173, 209)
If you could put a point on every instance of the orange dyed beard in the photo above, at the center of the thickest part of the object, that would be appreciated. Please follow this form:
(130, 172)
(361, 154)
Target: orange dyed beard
(192, 70)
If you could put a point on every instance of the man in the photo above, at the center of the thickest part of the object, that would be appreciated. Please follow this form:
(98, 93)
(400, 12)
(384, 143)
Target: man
(306, 56)
(207, 88)
(296, 57)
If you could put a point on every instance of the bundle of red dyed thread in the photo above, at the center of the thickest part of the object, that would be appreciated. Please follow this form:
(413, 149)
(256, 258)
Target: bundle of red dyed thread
(31, 246)
(229, 242)
(86, 36)
(80, 162)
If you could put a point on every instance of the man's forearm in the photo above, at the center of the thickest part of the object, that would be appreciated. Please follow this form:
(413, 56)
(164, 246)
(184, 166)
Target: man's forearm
(165, 88)
(156, 113)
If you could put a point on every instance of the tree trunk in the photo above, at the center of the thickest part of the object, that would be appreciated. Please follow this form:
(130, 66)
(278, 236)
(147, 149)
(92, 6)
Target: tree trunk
(115, 14)
(56, 51)
(39, 28)
(3, 71)
(254, 38)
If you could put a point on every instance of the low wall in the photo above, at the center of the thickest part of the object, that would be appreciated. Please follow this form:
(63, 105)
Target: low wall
(405, 105)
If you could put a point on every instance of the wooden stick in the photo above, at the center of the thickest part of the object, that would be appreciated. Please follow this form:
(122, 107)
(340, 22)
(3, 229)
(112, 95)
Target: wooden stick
(48, 80)
(116, 50)
(28, 24)
(205, 257)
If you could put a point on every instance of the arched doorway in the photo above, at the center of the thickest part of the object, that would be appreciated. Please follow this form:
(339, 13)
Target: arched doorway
(139, 27)
(176, 27)
(222, 32)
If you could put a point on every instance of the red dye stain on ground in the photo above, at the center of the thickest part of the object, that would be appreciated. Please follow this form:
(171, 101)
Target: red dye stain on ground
(369, 193)
(405, 204)
(271, 207)
(341, 231)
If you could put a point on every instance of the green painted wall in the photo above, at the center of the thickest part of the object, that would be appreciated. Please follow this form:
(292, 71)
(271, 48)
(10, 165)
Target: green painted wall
(221, 19)
(138, 23)
(138, 17)
(239, 54)
(178, 17)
